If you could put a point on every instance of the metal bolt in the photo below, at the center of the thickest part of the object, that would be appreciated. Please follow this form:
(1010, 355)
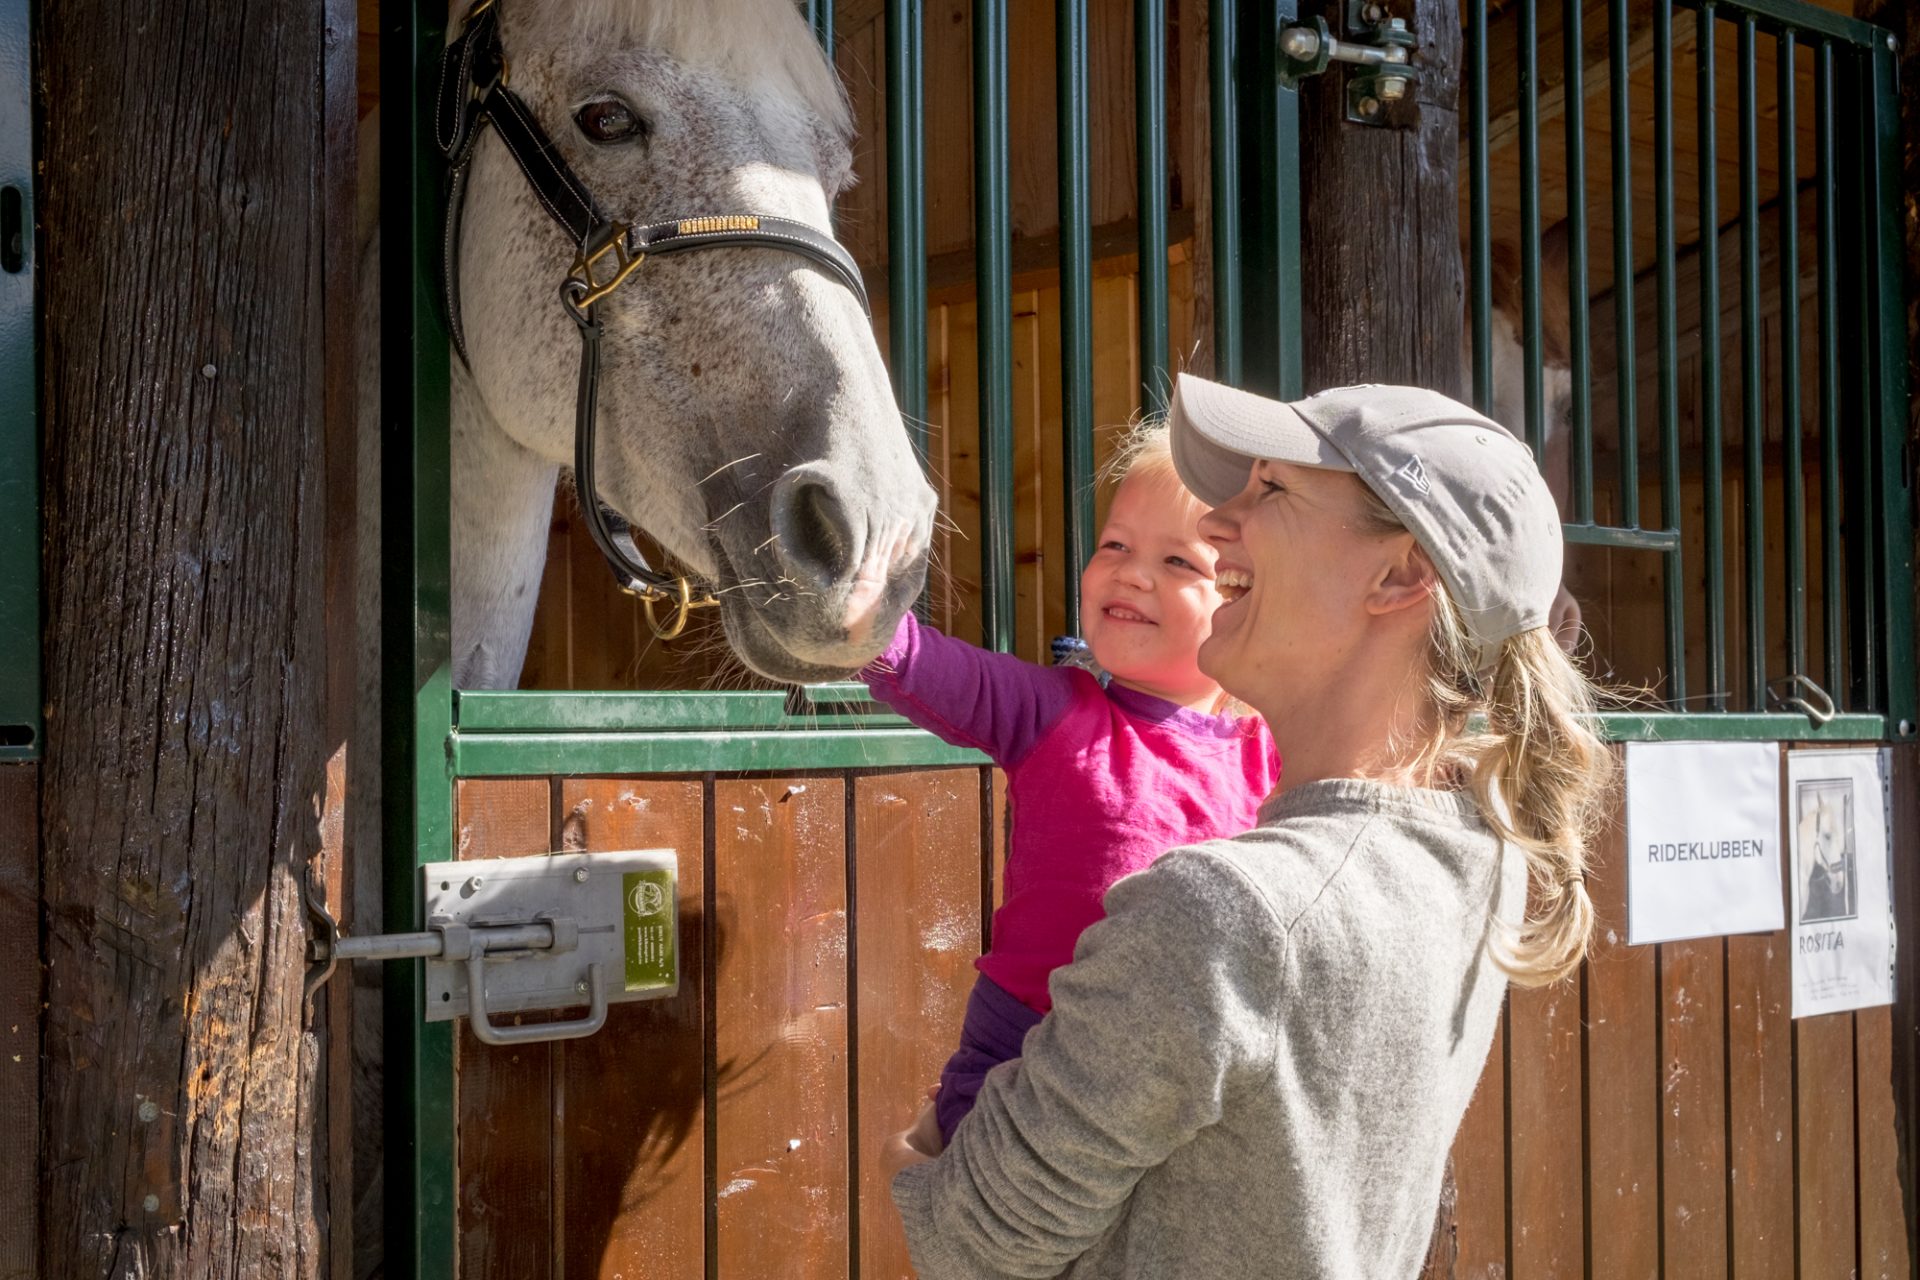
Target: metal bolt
(579, 875)
(151, 1204)
(1373, 13)
(1906, 728)
(1893, 41)
(473, 883)
(1392, 89)
(1300, 43)
(1398, 24)
(581, 987)
(149, 1111)
(1369, 107)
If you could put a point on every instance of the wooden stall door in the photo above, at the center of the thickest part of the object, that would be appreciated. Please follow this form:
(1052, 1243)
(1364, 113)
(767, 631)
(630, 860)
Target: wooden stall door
(829, 923)
(1662, 1115)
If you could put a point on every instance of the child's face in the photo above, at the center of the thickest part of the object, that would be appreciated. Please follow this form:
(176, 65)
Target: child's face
(1147, 596)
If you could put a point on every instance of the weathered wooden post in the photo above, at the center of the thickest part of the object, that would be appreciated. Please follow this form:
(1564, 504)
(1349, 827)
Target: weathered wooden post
(1382, 289)
(194, 220)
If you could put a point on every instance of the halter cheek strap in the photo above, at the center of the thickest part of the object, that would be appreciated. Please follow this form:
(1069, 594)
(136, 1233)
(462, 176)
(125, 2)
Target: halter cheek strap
(473, 95)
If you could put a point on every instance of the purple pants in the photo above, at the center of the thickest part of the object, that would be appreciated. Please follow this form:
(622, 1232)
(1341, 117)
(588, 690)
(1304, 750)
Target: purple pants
(996, 1025)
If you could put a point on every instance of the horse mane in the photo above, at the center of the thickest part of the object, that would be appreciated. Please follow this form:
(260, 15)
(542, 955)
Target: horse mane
(759, 44)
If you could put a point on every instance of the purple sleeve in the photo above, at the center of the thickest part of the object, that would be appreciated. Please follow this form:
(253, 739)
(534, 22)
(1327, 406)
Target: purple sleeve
(965, 695)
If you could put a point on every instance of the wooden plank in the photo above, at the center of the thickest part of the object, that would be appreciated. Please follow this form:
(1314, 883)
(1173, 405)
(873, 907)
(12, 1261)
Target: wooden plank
(1032, 446)
(1884, 1250)
(1885, 1218)
(780, 1025)
(1480, 1173)
(1825, 1209)
(1760, 1103)
(961, 572)
(1544, 1119)
(1694, 1100)
(20, 1019)
(917, 842)
(1623, 1079)
(630, 1157)
(505, 1124)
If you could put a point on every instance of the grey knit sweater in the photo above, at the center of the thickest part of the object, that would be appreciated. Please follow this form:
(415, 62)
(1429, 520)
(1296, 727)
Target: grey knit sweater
(1254, 1065)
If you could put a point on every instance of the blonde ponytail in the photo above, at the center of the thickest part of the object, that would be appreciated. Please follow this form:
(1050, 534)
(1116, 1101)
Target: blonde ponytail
(1519, 737)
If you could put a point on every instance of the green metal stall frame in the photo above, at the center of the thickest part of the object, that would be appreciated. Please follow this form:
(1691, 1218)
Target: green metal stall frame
(20, 608)
(434, 735)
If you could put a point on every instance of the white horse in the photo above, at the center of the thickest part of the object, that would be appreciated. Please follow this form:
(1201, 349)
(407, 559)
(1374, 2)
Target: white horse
(746, 420)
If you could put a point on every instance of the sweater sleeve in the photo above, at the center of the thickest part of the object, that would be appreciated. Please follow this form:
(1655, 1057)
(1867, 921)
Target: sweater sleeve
(1169, 1001)
(965, 695)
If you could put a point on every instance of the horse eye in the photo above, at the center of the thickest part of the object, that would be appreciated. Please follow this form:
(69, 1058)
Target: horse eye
(608, 120)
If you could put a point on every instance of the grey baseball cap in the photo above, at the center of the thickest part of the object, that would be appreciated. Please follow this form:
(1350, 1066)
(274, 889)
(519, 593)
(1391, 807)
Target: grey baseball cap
(1468, 491)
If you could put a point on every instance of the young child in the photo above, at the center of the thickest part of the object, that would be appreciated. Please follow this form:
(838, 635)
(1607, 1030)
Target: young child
(1100, 781)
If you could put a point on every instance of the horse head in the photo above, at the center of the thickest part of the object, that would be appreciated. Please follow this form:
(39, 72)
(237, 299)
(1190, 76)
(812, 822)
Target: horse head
(746, 420)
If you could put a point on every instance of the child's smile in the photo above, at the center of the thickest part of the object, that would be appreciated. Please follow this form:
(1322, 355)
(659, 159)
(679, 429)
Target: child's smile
(1149, 592)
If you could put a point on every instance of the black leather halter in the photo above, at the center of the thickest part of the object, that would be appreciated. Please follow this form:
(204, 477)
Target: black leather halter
(473, 94)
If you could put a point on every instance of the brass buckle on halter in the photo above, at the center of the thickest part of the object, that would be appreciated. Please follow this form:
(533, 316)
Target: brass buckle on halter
(583, 288)
(682, 607)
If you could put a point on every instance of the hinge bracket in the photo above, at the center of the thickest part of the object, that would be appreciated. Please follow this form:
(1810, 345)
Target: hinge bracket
(1376, 49)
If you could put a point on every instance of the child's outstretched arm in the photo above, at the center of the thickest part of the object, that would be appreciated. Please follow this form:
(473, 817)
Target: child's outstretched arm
(965, 695)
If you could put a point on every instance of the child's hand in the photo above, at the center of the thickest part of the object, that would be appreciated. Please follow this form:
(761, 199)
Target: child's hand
(916, 1144)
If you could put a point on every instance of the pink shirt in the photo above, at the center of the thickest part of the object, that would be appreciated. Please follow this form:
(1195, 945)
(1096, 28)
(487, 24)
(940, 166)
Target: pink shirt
(1101, 782)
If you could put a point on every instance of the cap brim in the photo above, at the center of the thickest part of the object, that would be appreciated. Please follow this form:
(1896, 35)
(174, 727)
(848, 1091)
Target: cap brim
(1216, 432)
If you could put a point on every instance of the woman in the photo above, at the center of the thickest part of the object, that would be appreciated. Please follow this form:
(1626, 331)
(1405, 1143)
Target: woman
(1256, 1063)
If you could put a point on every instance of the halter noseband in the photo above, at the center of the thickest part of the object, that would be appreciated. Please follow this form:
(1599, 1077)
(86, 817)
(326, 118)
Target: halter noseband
(474, 93)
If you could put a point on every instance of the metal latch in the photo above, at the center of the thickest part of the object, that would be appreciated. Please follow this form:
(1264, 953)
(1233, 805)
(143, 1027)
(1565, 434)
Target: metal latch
(515, 935)
(1377, 48)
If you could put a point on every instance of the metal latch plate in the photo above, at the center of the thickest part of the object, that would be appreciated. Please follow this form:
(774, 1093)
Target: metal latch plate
(625, 905)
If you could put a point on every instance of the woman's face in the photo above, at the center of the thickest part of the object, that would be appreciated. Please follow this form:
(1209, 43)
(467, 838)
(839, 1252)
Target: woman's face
(1303, 572)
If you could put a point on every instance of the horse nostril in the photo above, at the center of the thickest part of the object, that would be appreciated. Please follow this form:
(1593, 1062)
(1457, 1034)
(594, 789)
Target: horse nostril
(815, 534)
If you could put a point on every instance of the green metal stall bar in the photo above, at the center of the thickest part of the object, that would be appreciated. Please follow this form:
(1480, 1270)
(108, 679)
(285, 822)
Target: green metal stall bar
(1866, 500)
(20, 613)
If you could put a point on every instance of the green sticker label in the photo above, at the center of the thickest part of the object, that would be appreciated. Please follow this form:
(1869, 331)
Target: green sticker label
(652, 959)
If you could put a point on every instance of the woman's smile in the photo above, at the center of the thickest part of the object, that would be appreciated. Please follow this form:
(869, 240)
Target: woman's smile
(1232, 581)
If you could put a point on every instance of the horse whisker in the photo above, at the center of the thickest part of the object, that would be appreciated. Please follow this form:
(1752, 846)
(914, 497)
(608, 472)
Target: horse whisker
(715, 522)
(723, 466)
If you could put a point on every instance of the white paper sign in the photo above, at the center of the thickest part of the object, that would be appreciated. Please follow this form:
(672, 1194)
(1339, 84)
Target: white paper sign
(1703, 840)
(1842, 892)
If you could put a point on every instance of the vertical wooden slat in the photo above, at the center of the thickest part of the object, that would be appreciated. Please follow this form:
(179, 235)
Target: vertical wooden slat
(1480, 1172)
(1760, 1103)
(506, 1131)
(780, 1027)
(1694, 1099)
(1034, 498)
(1884, 1252)
(1825, 1208)
(20, 1017)
(1623, 1081)
(917, 842)
(1545, 1163)
(630, 1154)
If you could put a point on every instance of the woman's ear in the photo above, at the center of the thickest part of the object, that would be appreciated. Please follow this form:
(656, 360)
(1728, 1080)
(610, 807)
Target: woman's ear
(1405, 581)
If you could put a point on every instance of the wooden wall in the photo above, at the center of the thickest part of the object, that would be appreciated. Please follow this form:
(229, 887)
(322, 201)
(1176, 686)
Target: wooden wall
(1658, 1115)
(1663, 1115)
(829, 923)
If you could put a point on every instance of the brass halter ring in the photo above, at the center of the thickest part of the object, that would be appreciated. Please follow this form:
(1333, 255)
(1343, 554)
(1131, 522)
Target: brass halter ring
(682, 607)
